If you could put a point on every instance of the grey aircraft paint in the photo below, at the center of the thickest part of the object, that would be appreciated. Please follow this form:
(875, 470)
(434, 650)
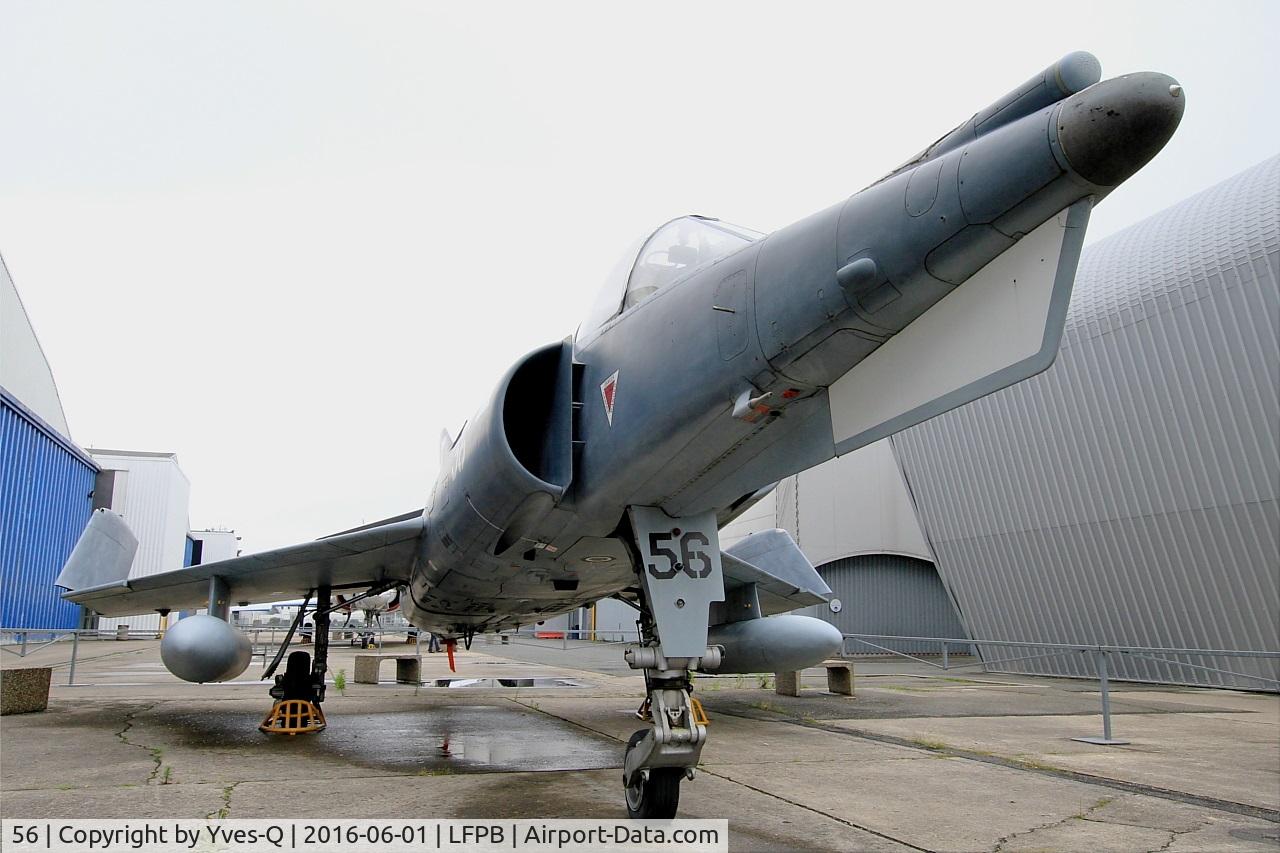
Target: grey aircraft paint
(719, 362)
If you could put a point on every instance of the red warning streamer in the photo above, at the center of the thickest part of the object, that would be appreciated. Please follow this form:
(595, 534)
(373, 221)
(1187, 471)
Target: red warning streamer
(448, 647)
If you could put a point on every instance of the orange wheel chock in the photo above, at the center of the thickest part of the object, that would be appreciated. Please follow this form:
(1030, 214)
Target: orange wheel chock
(293, 717)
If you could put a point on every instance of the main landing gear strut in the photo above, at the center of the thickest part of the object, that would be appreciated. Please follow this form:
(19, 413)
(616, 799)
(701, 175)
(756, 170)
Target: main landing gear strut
(300, 690)
(680, 576)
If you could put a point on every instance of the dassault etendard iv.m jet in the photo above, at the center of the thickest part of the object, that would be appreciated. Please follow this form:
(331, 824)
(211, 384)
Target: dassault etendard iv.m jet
(716, 362)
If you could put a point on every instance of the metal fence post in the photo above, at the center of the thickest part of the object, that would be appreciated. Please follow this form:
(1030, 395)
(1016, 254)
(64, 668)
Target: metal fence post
(944, 655)
(1104, 687)
(75, 648)
(22, 652)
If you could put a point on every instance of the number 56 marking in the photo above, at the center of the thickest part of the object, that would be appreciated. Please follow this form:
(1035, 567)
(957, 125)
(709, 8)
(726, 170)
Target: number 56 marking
(691, 545)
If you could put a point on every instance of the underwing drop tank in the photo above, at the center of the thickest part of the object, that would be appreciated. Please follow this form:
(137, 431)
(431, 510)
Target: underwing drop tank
(204, 648)
(782, 643)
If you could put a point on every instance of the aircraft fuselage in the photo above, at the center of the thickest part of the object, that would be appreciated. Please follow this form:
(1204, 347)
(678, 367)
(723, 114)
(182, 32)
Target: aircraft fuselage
(728, 379)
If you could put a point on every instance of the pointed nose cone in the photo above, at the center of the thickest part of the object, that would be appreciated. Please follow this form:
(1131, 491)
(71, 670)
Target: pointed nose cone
(1112, 129)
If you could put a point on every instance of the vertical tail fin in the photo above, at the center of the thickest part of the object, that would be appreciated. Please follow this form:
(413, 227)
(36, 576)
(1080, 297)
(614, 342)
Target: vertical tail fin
(102, 556)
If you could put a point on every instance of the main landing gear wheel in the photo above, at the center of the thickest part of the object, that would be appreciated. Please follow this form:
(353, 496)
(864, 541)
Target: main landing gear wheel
(300, 690)
(656, 792)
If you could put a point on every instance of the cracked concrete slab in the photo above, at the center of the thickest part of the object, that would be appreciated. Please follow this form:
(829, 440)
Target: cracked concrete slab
(1228, 835)
(119, 801)
(1150, 812)
(1223, 756)
(784, 783)
(766, 742)
(875, 699)
(37, 753)
(398, 736)
(1083, 834)
(938, 804)
(1267, 704)
(756, 821)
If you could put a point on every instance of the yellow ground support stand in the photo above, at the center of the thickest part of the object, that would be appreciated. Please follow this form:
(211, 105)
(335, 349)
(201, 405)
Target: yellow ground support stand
(699, 715)
(293, 717)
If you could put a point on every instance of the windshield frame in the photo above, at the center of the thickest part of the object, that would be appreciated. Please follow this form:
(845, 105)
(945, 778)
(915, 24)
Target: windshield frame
(613, 294)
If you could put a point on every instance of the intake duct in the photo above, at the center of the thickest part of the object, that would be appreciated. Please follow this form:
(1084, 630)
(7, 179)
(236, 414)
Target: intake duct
(537, 412)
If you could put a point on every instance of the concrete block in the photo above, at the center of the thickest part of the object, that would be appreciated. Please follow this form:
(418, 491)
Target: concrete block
(840, 678)
(408, 670)
(787, 683)
(367, 669)
(24, 690)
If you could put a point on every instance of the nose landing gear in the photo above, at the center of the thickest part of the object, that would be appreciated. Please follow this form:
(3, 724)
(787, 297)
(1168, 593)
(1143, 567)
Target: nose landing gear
(653, 794)
(680, 575)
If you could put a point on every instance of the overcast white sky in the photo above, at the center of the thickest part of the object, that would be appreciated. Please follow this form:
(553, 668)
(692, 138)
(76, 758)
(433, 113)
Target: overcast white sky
(294, 241)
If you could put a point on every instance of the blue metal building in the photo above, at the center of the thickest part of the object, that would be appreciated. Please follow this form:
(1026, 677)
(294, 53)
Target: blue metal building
(46, 497)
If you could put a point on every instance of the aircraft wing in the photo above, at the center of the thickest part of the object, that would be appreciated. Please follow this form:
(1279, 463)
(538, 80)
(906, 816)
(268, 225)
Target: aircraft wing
(785, 579)
(96, 574)
(1002, 326)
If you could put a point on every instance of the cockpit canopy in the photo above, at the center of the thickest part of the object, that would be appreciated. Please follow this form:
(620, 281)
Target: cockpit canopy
(663, 258)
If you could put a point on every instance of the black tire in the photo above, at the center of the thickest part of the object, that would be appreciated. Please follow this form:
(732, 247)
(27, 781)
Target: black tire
(297, 677)
(657, 797)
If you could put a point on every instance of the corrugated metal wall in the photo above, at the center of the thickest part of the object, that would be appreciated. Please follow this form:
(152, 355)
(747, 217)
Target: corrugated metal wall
(154, 505)
(889, 594)
(1129, 495)
(45, 488)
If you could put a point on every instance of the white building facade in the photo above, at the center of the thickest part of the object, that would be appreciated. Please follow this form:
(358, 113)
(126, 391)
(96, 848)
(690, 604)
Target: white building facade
(854, 518)
(153, 495)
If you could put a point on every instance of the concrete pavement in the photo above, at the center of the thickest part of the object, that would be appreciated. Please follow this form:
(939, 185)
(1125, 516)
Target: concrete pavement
(959, 763)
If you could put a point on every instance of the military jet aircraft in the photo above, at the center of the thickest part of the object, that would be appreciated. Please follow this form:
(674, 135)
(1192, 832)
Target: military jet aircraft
(715, 362)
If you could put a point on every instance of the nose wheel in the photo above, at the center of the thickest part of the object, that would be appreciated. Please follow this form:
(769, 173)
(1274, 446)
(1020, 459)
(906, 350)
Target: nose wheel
(653, 794)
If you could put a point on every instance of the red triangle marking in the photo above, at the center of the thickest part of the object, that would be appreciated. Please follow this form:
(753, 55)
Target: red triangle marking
(608, 390)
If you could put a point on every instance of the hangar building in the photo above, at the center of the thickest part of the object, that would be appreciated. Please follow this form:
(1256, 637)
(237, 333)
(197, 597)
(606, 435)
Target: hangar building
(854, 519)
(49, 487)
(1129, 495)
(46, 481)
